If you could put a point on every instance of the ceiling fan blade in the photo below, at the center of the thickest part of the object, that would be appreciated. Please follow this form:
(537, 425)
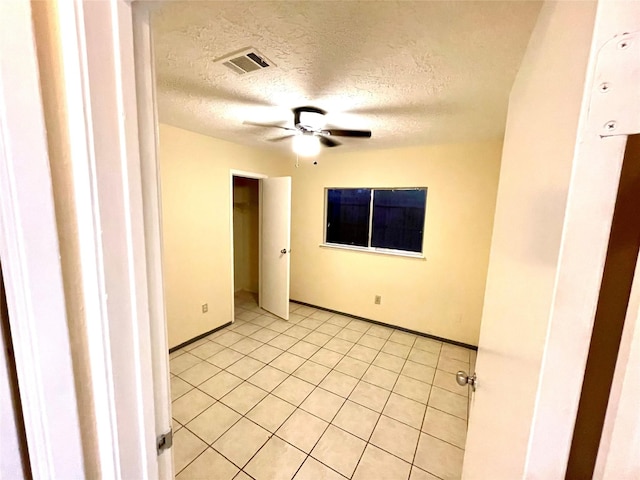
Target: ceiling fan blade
(347, 133)
(283, 137)
(328, 142)
(269, 125)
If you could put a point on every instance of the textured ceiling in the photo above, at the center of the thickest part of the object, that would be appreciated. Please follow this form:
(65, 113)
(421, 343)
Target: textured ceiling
(412, 72)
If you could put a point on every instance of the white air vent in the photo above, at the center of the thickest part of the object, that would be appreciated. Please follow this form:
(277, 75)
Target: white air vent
(246, 61)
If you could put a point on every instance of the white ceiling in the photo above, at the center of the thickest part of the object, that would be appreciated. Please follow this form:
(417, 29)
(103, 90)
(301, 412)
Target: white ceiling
(412, 72)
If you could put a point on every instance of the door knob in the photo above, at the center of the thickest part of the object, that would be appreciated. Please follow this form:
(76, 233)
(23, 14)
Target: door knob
(284, 250)
(463, 379)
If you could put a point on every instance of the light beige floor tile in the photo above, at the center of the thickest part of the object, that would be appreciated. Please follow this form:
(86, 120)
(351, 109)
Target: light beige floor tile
(380, 332)
(455, 352)
(405, 410)
(369, 396)
(417, 474)
(423, 357)
(228, 338)
(448, 382)
(428, 345)
(199, 373)
(206, 350)
(321, 315)
(326, 357)
(396, 438)
(264, 320)
(243, 398)
(293, 306)
(358, 325)
(266, 353)
(179, 387)
(329, 329)
(213, 422)
(352, 367)
(293, 390)
(186, 448)
(295, 318)
(241, 441)
(266, 334)
(221, 384)
(311, 372)
(376, 463)
(302, 430)
(246, 345)
(371, 341)
(242, 476)
(268, 378)
(339, 383)
(360, 352)
(338, 345)
(195, 344)
(280, 326)
(390, 362)
(403, 338)
(225, 358)
(418, 372)
(304, 349)
(245, 367)
(323, 404)
(175, 425)
(305, 310)
(310, 323)
(180, 351)
(339, 450)
(349, 335)
(248, 315)
(298, 332)
(209, 466)
(439, 458)
(247, 329)
(356, 419)
(190, 405)
(313, 470)
(397, 349)
(183, 362)
(445, 427)
(287, 362)
(283, 341)
(449, 402)
(380, 377)
(271, 413)
(317, 338)
(339, 320)
(451, 365)
(277, 460)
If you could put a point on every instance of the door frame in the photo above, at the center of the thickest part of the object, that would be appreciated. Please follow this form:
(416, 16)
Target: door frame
(259, 177)
(105, 107)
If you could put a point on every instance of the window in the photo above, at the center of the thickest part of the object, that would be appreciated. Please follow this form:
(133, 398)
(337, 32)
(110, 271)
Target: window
(376, 219)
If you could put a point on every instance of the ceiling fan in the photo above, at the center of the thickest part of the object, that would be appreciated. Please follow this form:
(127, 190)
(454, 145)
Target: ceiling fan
(309, 131)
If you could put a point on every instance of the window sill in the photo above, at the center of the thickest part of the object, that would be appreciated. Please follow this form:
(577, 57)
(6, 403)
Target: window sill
(379, 251)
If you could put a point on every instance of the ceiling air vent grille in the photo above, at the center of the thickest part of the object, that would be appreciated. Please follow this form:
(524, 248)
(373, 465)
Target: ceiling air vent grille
(246, 61)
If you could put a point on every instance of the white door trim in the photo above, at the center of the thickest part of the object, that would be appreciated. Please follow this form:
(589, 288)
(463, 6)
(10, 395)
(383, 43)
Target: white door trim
(257, 176)
(31, 261)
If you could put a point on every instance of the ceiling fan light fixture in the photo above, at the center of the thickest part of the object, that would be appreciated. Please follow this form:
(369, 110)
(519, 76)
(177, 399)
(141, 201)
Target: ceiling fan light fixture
(306, 145)
(314, 120)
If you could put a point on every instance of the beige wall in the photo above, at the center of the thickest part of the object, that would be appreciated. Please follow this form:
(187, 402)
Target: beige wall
(440, 295)
(196, 222)
(246, 235)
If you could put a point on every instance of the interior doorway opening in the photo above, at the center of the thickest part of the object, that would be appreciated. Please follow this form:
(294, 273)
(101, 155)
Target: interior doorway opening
(246, 237)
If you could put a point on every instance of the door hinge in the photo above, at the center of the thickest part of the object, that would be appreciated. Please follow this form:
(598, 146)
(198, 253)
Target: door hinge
(164, 441)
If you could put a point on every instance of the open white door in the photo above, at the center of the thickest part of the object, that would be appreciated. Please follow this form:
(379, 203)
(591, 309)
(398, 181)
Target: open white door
(558, 183)
(275, 245)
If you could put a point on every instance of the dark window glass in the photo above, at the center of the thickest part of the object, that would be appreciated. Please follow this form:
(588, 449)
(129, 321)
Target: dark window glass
(348, 216)
(398, 219)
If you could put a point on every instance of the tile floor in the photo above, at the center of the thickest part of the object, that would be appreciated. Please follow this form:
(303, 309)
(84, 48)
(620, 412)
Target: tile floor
(322, 396)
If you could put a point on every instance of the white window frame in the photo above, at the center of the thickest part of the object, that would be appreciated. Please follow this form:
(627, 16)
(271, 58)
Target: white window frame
(369, 248)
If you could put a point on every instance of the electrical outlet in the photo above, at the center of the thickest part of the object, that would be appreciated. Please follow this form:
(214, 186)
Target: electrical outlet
(205, 307)
(378, 300)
